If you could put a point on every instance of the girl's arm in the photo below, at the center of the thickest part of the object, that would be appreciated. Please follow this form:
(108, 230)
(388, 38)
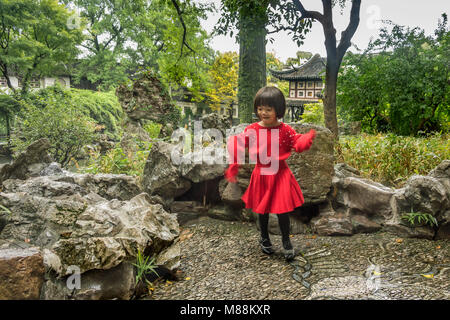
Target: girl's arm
(236, 148)
(302, 142)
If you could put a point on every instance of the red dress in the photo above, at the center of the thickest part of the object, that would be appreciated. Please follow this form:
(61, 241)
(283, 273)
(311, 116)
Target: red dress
(272, 188)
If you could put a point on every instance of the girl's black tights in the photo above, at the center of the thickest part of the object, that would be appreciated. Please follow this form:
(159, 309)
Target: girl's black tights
(283, 222)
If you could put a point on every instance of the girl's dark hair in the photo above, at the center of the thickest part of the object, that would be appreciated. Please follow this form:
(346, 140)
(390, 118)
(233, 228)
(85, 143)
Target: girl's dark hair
(270, 97)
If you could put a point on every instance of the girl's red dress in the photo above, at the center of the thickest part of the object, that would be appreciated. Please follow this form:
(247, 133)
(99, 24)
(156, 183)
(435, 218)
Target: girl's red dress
(277, 192)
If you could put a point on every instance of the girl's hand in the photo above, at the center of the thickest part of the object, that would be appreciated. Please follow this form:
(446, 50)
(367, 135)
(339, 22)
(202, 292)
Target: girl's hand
(305, 141)
(231, 173)
(311, 136)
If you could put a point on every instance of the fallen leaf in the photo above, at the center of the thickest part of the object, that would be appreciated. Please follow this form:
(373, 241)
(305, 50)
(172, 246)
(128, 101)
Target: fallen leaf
(399, 240)
(428, 276)
(375, 273)
(168, 282)
(313, 237)
(185, 235)
(187, 278)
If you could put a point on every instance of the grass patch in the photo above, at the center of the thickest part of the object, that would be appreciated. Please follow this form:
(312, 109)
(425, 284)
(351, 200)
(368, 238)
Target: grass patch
(392, 159)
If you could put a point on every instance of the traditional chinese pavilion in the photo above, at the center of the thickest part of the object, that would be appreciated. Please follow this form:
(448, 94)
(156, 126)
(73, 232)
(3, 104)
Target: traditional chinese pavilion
(305, 84)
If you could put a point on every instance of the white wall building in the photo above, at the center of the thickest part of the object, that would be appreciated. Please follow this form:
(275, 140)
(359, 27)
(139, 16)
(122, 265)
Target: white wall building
(35, 83)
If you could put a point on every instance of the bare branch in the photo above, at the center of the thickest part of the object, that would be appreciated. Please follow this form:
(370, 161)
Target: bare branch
(348, 33)
(180, 16)
(306, 13)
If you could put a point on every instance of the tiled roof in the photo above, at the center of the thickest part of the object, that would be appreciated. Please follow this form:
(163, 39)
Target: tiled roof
(311, 70)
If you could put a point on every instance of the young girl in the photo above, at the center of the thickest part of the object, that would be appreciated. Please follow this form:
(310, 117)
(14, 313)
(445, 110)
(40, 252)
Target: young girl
(272, 188)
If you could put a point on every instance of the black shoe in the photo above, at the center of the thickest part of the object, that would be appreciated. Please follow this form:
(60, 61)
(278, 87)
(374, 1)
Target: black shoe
(288, 250)
(266, 246)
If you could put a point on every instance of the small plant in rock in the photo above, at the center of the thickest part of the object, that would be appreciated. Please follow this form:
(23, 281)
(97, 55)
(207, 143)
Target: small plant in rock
(5, 210)
(144, 265)
(416, 218)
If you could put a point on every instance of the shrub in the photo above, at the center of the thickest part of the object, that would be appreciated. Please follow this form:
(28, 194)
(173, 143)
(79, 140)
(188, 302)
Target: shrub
(116, 161)
(392, 159)
(102, 107)
(313, 113)
(67, 129)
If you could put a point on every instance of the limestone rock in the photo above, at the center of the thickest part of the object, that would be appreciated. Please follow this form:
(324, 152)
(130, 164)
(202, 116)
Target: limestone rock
(186, 211)
(425, 194)
(21, 274)
(53, 169)
(215, 121)
(443, 231)
(331, 223)
(314, 169)
(29, 163)
(161, 176)
(338, 225)
(115, 283)
(370, 198)
(200, 166)
(232, 195)
(170, 257)
(362, 224)
(92, 234)
(422, 232)
(442, 173)
(343, 170)
(147, 98)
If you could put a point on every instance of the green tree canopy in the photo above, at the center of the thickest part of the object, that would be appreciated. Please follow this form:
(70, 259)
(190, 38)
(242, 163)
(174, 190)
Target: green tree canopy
(36, 39)
(125, 36)
(224, 76)
(401, 83)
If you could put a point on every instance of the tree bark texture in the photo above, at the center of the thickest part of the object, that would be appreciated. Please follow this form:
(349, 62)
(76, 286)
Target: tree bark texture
(335, 53)
(252, 63)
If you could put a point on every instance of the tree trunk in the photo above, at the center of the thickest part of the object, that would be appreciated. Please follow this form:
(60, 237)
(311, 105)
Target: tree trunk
(252, 63)
(329, 101)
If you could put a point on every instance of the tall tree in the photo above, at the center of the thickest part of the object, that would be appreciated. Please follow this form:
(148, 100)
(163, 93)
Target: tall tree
(335, 52)
(124, 36)
(400, 83)
(35, 39)
(224, 76)
(254, 20)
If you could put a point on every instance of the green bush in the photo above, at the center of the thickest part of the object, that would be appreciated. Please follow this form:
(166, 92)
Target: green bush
(116, 161)
(392, 159)
(67, 129)
(400, 84)
(313, 113)
(102, 107)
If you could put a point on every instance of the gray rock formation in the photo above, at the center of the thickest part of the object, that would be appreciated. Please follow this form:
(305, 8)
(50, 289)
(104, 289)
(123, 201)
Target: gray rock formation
(161, 176)
(96, 223)
(371, 206)
(21, 274)
(29, 163)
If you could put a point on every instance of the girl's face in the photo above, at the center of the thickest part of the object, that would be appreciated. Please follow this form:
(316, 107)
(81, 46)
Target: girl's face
(267, 115)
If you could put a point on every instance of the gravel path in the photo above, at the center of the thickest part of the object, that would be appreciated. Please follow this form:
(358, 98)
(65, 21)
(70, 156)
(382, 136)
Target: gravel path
(221, 260)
